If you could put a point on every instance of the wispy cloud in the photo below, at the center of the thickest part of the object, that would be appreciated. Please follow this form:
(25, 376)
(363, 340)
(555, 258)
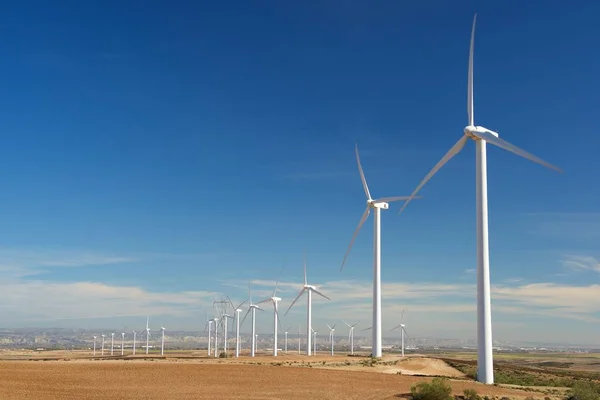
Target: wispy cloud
(581, 263)
(569, 225)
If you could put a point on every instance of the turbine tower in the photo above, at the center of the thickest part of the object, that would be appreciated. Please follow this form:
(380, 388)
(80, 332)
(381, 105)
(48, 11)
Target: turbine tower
(377, 205)
(225, 317)
(208, 325)
(274, 299)
(162, 341)
(134, 333)
(103, 337)
(314, 342)
(351, 336)
(147, 333)
(481, 136)
(286, 339)
(112, 343)
(252, 308)
(237, 311)
(331, 336)
(402, 332)
(308, 289)
(94, 345)
(122, 343)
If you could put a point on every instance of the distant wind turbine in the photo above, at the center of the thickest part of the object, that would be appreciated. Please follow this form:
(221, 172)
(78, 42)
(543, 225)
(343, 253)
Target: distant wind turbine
(162, 341)
(208, 325)
(112, 343)
(103, 337)
(314, 342)
(286, 339)
(237, 311)
(481, 136)
(122, 343)
(377, 205)
(402, 332)
(275, 300)
(134, 333)
(147, 334)
(331, 336)
(252, 309)
(94, 345)
(351, 336)
(308, 289)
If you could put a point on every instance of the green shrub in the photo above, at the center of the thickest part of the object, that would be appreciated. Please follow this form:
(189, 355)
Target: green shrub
(583, 390)
(471, 394)
(438, 389)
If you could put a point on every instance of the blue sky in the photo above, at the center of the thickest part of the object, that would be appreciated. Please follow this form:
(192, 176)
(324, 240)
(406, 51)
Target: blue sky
(159, 155)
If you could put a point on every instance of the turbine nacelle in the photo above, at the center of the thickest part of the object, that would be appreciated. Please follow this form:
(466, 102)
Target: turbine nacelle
(472, 131)
(276, 299)
(378, 204)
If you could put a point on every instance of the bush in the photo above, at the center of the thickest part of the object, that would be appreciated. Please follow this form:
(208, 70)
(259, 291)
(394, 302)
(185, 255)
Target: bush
(582, 390)
(471, 394)
(438, 389)
(223, 355)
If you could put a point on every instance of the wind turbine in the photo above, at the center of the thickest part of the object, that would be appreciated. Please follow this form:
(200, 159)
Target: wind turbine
(481, 136)
(112, 343)
(331, 336)
(377, 205)
(208, 325)
(216, 322)
(237, 310)
(402, 332)
(308, 289)
(225, 317)
(299, 339)
(274, 299)
(286, 337)
(122, 342)
(94, 345)
(351, 336)
(252, 308)
(134, 333)
(147, 333)
(103, 337)
(162, 341)
(314, 342)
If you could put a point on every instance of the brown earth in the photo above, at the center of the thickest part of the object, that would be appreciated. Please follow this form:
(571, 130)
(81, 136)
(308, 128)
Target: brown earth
(208, 378)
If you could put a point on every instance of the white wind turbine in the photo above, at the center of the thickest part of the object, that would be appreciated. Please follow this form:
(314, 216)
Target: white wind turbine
(237, 311)
(331, 336)
(134, 333)
(286, 339)
(208, 325)
(402, 332)
(122, 342)
(225, 317)
(252, 309)
(95, 345)
(351, 336)
(308, 289)
(216, 322)
(314, 342)
(377, 205)
(147, 334)
(275, 300)
(162, 341)
(112, 343)
(481, 136)
(103, 337)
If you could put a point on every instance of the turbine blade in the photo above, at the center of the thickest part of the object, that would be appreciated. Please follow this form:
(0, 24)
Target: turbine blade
(278, 319)
(295, 300)
(259, 309)
(305, 279)
(503, 144)
(249, 293)
(397, 198)
(458, 146)
(402, 317)
(320, 294)
(275, 290)
(470, 111)
(264, 301)
(241, 304)
(329, 326)
(362, 174)
(247, 312)
(348, 325)
(366, 329)
(354, 325)
(363, 218)
(333, 327)
(396, 327)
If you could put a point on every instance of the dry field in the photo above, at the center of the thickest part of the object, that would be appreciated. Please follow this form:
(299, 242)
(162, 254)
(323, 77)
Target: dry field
(76, 376)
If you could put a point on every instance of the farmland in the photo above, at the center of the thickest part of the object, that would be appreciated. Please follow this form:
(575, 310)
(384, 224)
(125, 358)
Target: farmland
(191, 375)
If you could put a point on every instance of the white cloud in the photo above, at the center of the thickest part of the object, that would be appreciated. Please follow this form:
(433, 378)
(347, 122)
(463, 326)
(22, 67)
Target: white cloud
(581, 263)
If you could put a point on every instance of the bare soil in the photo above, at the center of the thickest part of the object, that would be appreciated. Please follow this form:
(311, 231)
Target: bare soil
(198, 378)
